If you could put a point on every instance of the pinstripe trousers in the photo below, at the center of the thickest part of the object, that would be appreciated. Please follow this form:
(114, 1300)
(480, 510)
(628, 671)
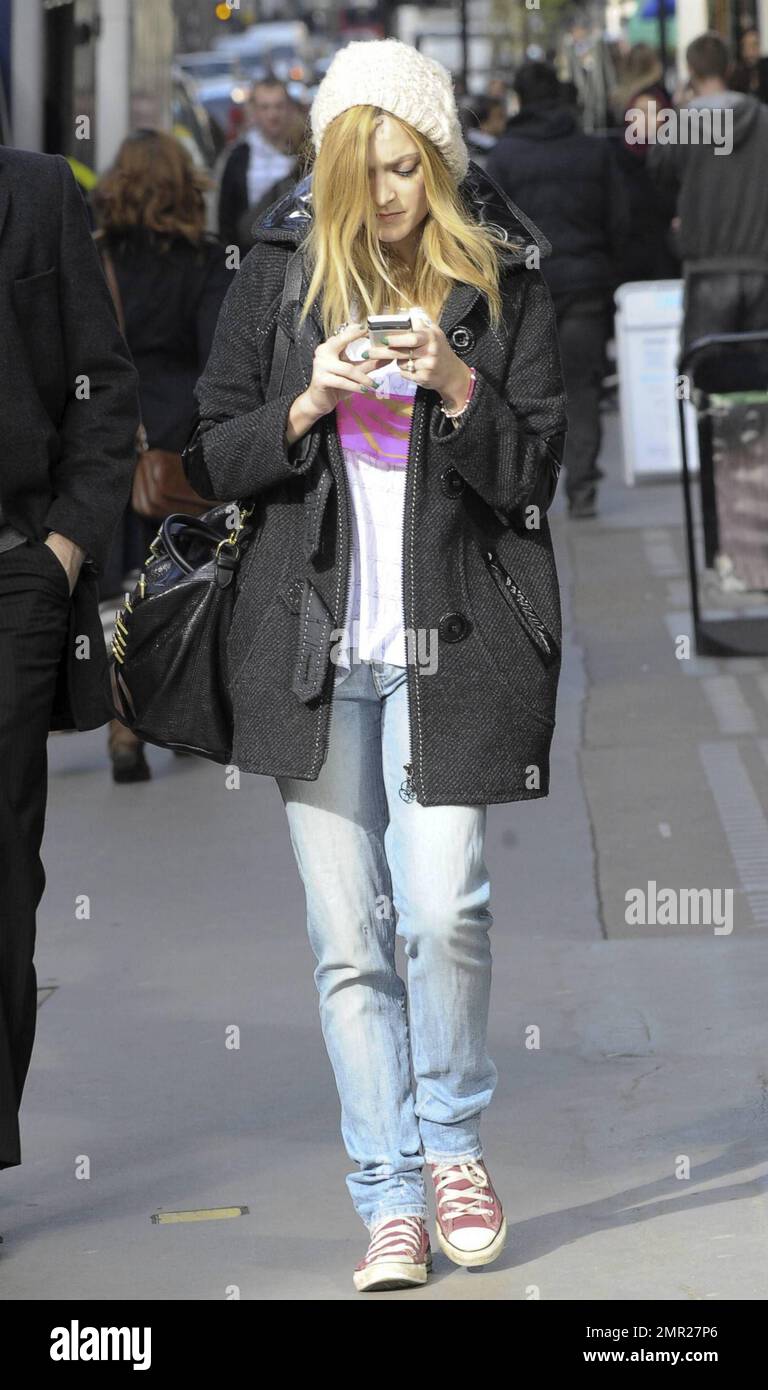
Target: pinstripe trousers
(34, 607)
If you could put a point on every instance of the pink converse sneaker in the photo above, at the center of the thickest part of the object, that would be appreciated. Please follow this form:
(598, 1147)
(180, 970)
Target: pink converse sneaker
(398, 1256)
(471, 1226)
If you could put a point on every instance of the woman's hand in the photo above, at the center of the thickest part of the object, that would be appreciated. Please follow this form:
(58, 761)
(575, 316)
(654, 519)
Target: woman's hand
(334, 378)
(436, 365)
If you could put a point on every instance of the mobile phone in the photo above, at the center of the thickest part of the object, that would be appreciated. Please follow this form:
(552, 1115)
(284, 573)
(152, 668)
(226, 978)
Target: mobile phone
(378, 324)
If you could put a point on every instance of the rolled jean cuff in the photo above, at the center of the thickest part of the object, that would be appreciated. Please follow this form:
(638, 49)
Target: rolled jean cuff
(431, 1157)
(389, 1214)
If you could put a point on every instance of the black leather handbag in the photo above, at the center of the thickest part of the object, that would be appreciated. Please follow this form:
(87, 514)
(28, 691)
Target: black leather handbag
(168, 662)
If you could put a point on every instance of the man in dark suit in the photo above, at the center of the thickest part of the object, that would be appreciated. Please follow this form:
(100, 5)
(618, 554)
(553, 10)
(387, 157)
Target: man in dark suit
(69, 411)
(263, 162)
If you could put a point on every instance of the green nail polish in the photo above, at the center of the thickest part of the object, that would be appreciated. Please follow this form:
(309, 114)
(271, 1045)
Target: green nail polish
(385, 339)
(365, 354)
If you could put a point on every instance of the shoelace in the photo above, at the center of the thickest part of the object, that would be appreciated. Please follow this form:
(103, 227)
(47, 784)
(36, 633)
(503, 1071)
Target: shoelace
(461, 1201)
(395, 1237)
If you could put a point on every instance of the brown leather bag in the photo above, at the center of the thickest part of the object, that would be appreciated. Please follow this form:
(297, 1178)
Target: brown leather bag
(160, 485)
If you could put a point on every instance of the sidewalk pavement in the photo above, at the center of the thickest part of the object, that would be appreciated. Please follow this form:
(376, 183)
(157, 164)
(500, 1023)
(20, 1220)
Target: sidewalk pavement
(629, 1146)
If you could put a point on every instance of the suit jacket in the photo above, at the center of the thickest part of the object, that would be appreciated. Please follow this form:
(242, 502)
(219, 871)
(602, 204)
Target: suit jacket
(68, 401)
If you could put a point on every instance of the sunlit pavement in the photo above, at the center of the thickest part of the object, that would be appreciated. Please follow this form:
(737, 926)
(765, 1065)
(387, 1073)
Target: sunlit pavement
(628, 1146)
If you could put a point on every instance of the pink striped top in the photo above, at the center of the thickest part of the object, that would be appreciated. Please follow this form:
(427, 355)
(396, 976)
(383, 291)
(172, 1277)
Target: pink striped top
(378, 426)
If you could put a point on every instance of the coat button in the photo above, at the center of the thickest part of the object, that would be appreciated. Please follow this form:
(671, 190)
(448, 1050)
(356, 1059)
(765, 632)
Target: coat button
(462, 338)
(452, 627)
(451, 482)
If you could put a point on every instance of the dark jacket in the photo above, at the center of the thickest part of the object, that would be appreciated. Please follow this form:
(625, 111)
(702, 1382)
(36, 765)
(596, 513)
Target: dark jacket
(647, 251)
(69, 403)
(247, 224)
(722, 199)
(171, 300)
(235, 213)
(569, 183)
(233, 193)
(482, 723)
(234, 224)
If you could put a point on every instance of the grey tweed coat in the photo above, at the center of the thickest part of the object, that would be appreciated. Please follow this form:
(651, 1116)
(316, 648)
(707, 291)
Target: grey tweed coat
(479, 577)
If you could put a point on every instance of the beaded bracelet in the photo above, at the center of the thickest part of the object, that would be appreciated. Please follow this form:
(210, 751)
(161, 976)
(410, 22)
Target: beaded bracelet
(454, 414)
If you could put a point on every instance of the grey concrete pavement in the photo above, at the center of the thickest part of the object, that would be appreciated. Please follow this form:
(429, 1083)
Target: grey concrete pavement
(629, 1146)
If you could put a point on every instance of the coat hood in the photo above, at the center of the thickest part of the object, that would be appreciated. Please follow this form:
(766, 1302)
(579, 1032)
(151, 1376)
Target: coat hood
(544, 120)
(289, 218)
(746, 110)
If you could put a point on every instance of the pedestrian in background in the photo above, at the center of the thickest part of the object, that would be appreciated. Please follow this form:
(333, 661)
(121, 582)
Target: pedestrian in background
(750, 72)
(647, 251)
(261, 162)
(483, 121)
(722, 205)
(66, 462)
(722, 209)
(171, 280)
(569, 183)
(446, 476)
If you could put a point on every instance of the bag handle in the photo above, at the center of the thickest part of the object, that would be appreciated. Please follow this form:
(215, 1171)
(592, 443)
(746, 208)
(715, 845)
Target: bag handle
(190, 526)
(110, 275)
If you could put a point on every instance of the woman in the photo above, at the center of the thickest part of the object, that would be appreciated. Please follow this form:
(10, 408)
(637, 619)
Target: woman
(750, 72)
(172, 279)
(402, 577)
(648, 252)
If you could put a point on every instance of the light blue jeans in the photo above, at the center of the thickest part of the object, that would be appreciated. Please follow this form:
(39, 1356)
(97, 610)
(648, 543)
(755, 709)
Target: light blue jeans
(373, 865)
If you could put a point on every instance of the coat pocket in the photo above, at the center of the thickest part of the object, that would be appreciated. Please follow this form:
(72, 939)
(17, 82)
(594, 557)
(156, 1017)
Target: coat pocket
(530, 621)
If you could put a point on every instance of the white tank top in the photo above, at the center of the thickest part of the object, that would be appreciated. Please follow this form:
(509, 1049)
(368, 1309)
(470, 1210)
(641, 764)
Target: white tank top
(374, 433)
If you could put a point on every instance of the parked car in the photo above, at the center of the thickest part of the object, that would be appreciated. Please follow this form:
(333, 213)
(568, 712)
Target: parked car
(285, 48)
(201, 66)
(190, 120)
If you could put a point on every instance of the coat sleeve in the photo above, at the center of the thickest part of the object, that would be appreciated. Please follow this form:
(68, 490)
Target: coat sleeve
(239, 447)
(509, 445)
(91, 479)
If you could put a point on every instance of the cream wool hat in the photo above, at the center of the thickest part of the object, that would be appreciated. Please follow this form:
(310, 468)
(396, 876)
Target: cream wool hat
(399, 79)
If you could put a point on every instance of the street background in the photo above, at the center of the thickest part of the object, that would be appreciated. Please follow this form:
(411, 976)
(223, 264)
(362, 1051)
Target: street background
(628, 1147)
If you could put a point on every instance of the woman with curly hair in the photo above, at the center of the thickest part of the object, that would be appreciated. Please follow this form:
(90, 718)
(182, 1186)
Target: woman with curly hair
(171, 280)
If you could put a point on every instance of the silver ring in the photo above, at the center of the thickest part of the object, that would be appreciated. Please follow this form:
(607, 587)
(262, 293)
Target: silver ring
(411, 365)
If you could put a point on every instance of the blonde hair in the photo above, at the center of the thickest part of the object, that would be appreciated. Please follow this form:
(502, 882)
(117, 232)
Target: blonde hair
(349, 261)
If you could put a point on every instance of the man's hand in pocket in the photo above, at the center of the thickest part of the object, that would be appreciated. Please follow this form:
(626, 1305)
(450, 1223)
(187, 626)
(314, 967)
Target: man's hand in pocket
(70, 555)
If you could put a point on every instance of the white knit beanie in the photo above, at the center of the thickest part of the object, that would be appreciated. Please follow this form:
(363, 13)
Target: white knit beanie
(399, 79)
